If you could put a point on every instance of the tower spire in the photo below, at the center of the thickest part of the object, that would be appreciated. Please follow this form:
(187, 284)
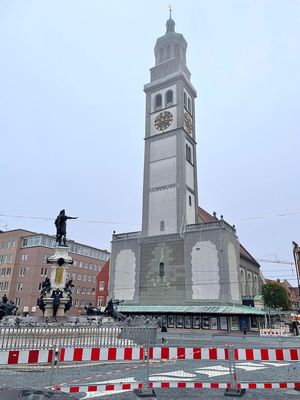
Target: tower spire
(170, 23)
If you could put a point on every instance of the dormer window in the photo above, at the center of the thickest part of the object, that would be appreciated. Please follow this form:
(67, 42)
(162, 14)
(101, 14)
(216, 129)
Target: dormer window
(158, 101)
(169, 97)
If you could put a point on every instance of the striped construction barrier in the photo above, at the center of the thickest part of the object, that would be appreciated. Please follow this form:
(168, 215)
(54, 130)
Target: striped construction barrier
(275, 332)
(176, 385)
(154, 353)
(72, 354)
(186, 353)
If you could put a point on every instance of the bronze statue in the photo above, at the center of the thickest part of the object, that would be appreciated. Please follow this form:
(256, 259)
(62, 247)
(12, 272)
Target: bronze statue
(91, 310)
(112, 311)
(69, 286)
(46, 286)
(7, 308)
(56, 295)
(61, 227)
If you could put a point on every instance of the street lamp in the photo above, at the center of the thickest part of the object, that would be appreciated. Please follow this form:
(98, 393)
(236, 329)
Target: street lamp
(296, 253)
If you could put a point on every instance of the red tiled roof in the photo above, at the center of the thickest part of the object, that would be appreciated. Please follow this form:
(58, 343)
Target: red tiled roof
(204, 216)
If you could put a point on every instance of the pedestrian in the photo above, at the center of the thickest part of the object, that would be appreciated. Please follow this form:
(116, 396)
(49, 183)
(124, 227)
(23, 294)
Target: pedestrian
(244, 329)
(164, 329)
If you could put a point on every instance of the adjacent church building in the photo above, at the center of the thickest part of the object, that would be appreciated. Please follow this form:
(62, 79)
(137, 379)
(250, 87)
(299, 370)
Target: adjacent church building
(186, 265)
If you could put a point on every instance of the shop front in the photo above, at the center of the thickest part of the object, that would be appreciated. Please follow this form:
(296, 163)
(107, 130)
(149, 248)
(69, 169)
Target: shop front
(210, 318)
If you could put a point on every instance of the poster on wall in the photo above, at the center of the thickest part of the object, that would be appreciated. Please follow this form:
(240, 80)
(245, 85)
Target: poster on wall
(170, 321)
(234, 323)
(196, 321)
(187, 321)
(213, 323)
(254, 324)
(179, 321)
(223, 323)
(205, 322)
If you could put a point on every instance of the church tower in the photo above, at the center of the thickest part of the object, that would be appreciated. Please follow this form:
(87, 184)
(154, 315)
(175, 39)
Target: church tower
(170, 174)
(177, 259)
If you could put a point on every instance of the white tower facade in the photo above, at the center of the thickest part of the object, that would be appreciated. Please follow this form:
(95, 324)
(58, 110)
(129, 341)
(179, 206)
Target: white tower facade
(170, 199)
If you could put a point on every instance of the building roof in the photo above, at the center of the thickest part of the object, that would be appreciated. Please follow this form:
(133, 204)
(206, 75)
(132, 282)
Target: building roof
(225, 309)
(69, 241)
(207, 217)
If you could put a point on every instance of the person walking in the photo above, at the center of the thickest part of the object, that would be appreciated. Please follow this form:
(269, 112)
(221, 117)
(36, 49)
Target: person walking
(244, 329)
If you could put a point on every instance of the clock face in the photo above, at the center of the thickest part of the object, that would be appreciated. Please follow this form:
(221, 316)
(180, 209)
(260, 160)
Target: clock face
(163, 120)
(188, 123)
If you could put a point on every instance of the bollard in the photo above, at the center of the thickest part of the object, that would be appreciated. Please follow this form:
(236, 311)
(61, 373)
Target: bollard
(146, 391)
(233, 391)
(54, 367)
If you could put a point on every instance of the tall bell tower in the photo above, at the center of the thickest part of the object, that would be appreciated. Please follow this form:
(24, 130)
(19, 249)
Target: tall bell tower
(177, 260)
(170, 198)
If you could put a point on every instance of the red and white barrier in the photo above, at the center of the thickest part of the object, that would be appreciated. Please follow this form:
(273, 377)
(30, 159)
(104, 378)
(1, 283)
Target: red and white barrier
(188, 353)
(71, 354)
(175, 385)
(178, 353)
(137, 354)
(267, 354)
(275, 332)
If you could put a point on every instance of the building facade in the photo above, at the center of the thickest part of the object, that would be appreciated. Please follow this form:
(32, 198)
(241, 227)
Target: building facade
(183, 257)
(23, 267)
(102, 288)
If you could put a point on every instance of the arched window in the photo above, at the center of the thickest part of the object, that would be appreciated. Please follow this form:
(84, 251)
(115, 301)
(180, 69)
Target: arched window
(158, 101)
(161, 269)
(243, 282)
(249, 283)
(185, 99)
(189, 105)
(169, 97)
(176, 50)
(168, 52)
(188, 153)
(161, 55)
(162, 226)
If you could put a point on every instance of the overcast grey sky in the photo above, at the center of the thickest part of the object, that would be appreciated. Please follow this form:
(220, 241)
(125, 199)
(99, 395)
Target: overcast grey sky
(72, 114)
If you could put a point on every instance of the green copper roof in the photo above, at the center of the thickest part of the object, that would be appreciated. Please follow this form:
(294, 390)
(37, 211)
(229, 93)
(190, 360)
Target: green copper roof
(225, 309)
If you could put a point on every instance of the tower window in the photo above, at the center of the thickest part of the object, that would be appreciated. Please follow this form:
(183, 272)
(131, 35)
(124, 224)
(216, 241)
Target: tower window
(190, 200)
(162, 226)
(168, 53)
(188, 153)
(189, 105)
(158, 101)
(185, 99)
(169, 97)
(161, 269)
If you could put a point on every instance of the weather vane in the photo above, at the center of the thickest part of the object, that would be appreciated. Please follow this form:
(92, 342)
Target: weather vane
(170, 9)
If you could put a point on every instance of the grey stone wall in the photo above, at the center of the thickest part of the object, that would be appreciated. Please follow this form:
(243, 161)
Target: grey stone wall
(130, 282)
(169, 287)
(210, 264)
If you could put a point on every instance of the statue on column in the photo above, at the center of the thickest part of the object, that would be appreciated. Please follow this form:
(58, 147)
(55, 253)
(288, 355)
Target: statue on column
(61, 227)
